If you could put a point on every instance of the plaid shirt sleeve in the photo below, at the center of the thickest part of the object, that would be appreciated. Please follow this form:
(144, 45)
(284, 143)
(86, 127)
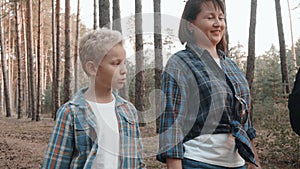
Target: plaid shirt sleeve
(60, 149)
(171, 122)
(242, 89)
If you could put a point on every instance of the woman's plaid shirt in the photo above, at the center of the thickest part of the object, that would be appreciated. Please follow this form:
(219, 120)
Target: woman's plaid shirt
(199, 99)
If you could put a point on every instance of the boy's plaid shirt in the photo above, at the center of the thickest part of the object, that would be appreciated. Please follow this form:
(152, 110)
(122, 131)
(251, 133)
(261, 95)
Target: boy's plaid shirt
(73, 143)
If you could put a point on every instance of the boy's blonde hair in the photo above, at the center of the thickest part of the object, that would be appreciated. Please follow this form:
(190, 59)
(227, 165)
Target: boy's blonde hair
(94, 45)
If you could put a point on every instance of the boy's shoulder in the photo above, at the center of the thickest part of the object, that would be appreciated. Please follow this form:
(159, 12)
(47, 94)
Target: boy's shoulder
(121, 100)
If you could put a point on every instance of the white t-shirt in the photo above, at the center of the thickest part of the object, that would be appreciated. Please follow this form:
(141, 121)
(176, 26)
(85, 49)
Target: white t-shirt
(107, 134)
(216, 149)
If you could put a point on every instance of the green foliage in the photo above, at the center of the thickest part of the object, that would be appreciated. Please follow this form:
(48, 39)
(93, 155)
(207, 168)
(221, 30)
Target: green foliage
(277, 143)
(267, 82)
(239, 56)
(47, 101)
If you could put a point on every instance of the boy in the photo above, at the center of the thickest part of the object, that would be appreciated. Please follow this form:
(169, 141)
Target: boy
(97, 128)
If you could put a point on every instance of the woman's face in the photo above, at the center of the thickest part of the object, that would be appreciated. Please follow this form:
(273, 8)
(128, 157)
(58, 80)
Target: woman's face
(210, 21)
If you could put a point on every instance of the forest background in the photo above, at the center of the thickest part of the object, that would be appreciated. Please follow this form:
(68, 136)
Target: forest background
(40, 71)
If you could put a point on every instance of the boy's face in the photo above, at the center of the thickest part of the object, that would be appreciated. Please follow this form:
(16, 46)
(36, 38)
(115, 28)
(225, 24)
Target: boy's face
(111, 73)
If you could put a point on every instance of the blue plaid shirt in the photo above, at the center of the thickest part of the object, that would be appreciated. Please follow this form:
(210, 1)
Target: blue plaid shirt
(73, 143)
(200, 98)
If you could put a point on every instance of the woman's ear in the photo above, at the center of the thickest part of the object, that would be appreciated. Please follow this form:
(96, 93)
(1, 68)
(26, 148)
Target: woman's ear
(91, 68)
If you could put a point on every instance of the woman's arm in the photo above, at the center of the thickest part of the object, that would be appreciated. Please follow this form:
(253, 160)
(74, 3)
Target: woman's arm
(174, 163)
(252, 166)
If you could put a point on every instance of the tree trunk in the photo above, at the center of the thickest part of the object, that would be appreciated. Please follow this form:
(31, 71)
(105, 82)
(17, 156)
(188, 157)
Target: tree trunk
(30, 59)
(19, 58)
(284, 70)
(116, 16)
(139, 81)
(25, 59)
(292, 39)
(53, 60)
(67, 78)
(226, 33)
(5, 73)
(104, 13)
(158, 59)
(117, 26)
(76, 46)
(39, 62)
(251, 45)
(56, 82)
(95, 15)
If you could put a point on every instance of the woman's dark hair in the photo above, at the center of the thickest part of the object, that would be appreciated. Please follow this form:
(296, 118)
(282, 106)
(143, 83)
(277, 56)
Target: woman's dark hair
(191, 10)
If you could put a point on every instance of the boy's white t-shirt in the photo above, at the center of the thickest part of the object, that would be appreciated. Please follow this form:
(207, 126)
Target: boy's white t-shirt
(107, 134)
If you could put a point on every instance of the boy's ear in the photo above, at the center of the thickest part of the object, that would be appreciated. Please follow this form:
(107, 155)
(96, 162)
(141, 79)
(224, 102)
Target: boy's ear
(91, 68)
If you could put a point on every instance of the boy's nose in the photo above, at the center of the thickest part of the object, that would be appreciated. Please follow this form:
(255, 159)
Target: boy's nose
(123, 69)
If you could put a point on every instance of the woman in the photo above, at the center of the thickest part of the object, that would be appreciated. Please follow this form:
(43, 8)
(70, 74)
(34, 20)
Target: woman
(206, 119)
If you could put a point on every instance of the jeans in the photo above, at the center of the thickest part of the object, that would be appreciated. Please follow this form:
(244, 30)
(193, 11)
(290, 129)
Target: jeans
(192, 164)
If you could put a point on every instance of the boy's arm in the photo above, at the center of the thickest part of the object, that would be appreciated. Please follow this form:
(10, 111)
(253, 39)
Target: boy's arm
(140, 148)
(60, 149)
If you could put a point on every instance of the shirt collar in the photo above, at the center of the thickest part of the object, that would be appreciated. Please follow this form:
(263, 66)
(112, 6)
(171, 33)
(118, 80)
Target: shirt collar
(78, 98)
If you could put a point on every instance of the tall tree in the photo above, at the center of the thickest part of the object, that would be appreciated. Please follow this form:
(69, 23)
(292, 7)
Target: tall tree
(282, 52)
(67, 77)
(117, 26)
(56, 81)
(4, 72)
(158, 57)
(116, 16)
(76, 47)
(104, 13)
(292, 39)
(39, 61)
(19, 58)
(53, 58)
(30, 60)
(95, 15)
(226, 33)
(139, 58)
(26, 97)
(251, 45)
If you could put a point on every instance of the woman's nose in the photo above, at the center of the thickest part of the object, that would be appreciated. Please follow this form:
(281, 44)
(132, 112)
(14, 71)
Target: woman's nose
(217, 22)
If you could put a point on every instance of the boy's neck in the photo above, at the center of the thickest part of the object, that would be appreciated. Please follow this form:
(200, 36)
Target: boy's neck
(99, 96)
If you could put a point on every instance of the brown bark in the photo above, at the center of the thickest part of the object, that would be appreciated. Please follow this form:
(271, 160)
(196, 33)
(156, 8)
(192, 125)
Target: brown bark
(282, 50)
(139, 72)
(19, 58)
(104, 13)
(158, 57)
(67, 76)
(5, 74)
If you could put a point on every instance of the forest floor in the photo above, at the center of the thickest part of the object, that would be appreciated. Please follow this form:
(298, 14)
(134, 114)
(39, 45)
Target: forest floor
(23, 144)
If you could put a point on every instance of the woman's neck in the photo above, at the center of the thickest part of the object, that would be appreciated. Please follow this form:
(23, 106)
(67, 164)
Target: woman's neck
(211, 49)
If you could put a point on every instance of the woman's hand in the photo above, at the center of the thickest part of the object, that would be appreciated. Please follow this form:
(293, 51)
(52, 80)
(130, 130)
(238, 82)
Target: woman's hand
(174, 163)
(252, 166)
